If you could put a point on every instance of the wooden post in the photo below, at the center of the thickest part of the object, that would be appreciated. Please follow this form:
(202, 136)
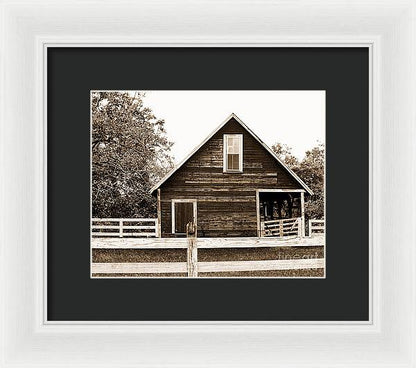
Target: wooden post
(120, 229)
(192, 255)
(281, 228)
(299, 227)
(309, 226)
(159, 216)
(302, 209)
(259, 230)
(262, 231)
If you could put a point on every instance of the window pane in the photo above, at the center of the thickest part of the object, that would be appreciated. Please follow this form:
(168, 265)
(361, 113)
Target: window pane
(233, 146)
(233, 162)
(237, 142)
(230, 145)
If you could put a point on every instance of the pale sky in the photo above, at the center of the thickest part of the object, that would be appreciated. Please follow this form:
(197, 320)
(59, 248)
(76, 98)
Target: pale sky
(295, 118)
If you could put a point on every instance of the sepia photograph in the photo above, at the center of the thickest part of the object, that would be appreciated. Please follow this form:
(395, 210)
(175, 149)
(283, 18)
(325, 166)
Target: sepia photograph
(197, 185)
(208, 184)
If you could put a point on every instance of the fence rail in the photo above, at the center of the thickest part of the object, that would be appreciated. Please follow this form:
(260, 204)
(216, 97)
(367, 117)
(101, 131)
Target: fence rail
(124, 227)
(205, 243)
(192, 267)
(316, 227)
(222, 266)
(282, 228)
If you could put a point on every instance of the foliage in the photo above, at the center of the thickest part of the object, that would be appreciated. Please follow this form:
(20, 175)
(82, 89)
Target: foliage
(284, 152)
(130, 152)
(312, 171)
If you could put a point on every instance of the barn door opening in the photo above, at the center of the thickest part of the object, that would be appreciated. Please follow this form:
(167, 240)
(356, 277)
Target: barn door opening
(183, 212)
(280, 209)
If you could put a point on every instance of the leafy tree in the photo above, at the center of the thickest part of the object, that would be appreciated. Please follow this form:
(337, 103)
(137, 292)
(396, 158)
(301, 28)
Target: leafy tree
(284, 152)
(312, 171)
(130, 152)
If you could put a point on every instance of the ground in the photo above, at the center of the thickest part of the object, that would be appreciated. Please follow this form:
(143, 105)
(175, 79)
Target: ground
(211, 255)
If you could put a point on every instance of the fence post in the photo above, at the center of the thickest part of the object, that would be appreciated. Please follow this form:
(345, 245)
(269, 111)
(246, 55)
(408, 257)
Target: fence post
(121, 229)
(302, 210)
(159, 216)
(262, 230)
(281, 228)
(299, 227)
(192, 255)
(310, 228)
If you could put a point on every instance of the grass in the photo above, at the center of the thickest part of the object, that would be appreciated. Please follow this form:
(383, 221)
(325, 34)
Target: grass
(212, 255)
(312, 272)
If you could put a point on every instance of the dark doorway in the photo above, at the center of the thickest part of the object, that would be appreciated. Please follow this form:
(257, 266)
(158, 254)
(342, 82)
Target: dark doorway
(276, 205)
(183, 214)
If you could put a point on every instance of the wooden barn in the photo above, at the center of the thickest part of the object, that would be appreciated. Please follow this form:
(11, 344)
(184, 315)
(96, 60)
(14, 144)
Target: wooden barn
(231, 185)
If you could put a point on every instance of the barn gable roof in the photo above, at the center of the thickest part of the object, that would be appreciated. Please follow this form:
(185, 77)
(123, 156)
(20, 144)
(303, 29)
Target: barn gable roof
(176, 168)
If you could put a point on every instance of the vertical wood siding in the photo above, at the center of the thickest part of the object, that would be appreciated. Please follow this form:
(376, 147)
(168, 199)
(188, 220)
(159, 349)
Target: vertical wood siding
(226, 201)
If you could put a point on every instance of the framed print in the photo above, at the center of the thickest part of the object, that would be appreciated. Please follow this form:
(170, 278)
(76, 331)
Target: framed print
(183, 188)
(243, 197)
(261, 213)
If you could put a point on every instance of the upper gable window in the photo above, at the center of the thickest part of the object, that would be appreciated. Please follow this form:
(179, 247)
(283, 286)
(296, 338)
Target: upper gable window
(233, 152)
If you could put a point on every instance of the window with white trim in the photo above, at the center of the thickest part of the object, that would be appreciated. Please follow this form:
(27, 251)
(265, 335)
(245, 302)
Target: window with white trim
(233, 152)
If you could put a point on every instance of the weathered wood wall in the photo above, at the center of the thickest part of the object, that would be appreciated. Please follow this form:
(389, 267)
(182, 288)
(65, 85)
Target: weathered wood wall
(226, 202)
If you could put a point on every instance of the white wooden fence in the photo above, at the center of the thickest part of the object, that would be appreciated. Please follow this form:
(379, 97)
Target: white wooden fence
(316, 227)
(221, 266)
(282, 228)
(277, 234)
(125, 227)
(192, 267)
(316, 240)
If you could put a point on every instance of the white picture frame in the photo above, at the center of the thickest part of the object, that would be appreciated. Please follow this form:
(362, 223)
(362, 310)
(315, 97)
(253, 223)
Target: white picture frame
(386, 27)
